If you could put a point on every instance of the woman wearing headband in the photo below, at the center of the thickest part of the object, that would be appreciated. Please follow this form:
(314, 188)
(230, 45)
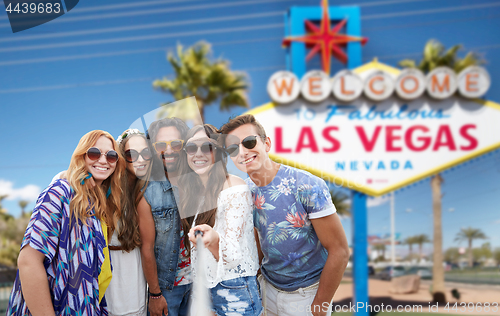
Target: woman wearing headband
(126, 294)
(224, 216)
(64, 266)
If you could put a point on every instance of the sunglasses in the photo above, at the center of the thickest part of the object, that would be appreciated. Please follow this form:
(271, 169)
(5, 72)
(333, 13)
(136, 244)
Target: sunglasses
(248, 142)
(132, 155)
(192, 148)
(175, 144)
(95, 154)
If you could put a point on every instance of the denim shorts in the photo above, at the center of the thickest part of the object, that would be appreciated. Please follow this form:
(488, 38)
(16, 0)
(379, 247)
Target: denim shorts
(240, 296)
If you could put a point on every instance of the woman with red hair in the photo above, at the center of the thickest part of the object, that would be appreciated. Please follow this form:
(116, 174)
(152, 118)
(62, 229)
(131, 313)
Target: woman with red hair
(64, 266)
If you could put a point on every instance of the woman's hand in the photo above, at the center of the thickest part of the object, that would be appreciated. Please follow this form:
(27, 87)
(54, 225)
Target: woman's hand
(210, 238)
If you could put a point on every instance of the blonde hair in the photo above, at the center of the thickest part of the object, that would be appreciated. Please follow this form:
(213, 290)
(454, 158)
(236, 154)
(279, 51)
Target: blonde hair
(86, 196)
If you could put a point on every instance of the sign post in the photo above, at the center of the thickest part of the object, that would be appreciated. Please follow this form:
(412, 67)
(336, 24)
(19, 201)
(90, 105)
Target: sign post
(360, 255)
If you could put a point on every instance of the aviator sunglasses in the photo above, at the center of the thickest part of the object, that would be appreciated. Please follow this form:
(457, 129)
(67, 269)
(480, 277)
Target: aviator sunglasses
(192, 148)
(248, 142)
(94, 154)
(175, 144)
(132, 155)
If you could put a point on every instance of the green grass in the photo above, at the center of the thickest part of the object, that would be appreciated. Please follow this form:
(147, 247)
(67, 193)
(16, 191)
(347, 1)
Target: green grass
(491, 271)
(476, 276)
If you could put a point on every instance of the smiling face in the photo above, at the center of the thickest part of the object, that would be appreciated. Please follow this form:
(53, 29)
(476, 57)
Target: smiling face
(170, 158)
(200, 162)
(101, 169)
(248, 160)
(139, 167)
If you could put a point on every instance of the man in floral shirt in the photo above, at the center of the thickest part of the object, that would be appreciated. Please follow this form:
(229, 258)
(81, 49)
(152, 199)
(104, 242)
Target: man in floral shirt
(300, 236)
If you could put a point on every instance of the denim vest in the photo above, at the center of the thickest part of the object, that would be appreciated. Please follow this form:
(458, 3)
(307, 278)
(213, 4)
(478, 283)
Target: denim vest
(160, 196)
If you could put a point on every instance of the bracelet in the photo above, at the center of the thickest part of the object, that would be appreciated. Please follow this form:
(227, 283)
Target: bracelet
(153, 295)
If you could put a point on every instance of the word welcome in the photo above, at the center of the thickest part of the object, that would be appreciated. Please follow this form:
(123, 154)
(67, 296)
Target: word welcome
(441, 83)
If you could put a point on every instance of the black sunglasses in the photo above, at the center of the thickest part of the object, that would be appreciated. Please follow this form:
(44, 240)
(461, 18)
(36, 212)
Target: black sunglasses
(94, 154)
(248, 142)
(192, 148)
(132, 155)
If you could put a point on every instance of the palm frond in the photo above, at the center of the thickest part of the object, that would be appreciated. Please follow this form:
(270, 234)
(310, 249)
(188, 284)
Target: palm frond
(341, 202)
(196, 74)
(471, 59)
(434, 55)
(407, 63)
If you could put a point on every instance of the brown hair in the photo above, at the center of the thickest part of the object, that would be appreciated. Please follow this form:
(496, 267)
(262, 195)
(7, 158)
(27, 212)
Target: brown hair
(88, 196)
(133, 190)
(179, 124)
(242, 120)
(191, 185)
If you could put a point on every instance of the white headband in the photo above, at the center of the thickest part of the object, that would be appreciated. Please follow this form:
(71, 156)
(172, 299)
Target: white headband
(130, 131)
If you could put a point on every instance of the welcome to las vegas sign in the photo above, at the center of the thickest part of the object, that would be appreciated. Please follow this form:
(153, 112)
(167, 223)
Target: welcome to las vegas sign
(378, 145)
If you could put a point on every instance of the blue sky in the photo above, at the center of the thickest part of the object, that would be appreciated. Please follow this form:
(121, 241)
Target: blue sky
(93, 69)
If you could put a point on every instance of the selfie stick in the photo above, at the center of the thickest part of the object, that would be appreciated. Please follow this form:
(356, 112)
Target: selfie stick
(201, 303)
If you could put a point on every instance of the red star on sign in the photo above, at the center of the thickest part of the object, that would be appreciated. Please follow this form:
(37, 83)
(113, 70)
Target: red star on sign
(326, 40)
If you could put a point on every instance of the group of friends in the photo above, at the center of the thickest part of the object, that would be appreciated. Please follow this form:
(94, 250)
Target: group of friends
(115, 234)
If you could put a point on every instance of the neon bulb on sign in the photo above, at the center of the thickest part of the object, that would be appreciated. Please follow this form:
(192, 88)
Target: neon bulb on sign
(410, 84)
(441, 83)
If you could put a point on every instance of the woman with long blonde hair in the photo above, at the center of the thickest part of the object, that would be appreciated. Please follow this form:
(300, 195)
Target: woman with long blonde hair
(64, 266)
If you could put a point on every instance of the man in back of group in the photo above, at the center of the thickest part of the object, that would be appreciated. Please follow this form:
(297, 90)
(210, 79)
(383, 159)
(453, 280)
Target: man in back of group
(165, 259)
(303, 243)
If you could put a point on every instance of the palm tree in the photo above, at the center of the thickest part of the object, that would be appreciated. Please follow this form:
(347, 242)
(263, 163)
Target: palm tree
(380, 247)
(341, 202)
(421, 240)
(434, 55)
(437, 267)
(22, 205)
(208, 81)
(2, 197)
(452, 255)
(410, 241)
(3, 212)
(496, 255)
(469, 234)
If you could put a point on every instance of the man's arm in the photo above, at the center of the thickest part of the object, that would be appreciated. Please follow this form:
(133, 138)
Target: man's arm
(259, 250)
(157, 306)
(332, 236)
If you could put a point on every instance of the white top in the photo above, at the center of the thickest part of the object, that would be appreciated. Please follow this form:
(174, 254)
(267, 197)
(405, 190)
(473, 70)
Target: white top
(126, 294)
(238, 255)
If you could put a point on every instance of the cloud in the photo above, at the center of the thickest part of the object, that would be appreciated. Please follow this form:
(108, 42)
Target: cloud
(497, 221)
(29, 192)
(377, 201)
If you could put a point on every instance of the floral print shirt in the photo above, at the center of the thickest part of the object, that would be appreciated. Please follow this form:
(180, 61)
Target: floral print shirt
(283, 209)
(183, 273)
